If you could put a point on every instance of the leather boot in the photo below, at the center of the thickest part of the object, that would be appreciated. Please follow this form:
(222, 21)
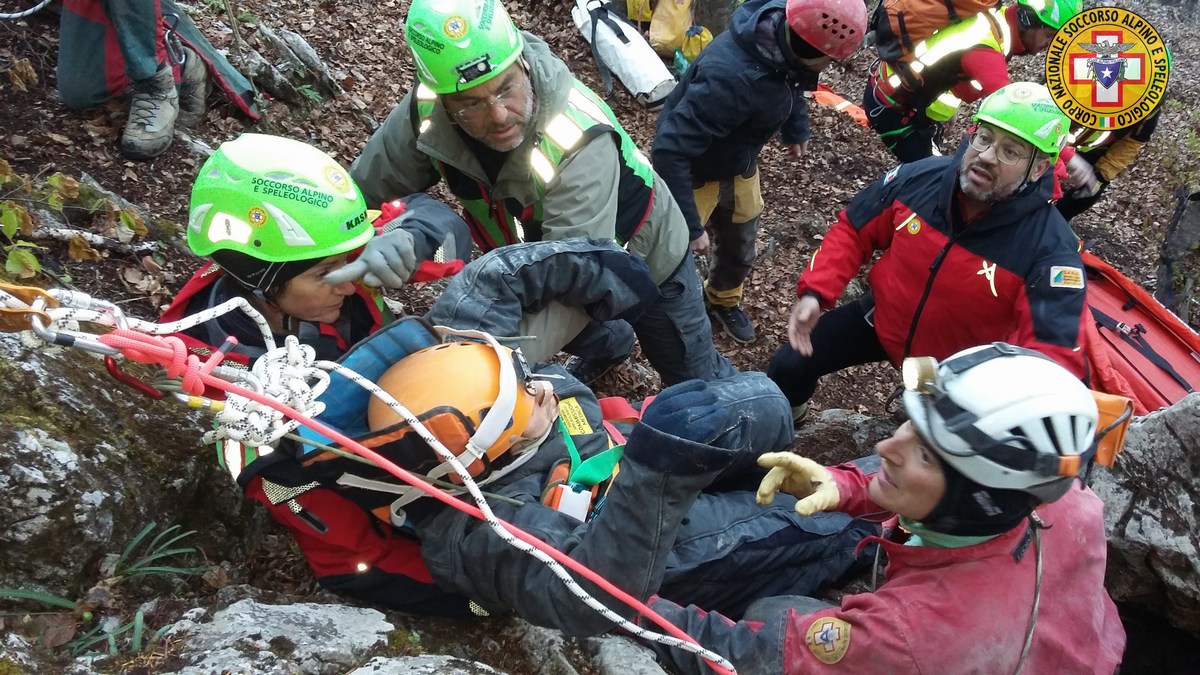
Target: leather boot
(152, 113)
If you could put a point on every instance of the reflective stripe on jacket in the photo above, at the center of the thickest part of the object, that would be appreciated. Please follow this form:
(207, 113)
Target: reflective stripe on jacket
(499, 222)
(926, 81)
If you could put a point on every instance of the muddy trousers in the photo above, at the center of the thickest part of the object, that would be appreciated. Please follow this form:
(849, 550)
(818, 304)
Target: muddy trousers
(675, 333)
(842, 338)
(730, 209)
(629, 542)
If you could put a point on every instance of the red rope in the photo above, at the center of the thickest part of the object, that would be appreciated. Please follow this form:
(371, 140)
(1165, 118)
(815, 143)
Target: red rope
(170, 353)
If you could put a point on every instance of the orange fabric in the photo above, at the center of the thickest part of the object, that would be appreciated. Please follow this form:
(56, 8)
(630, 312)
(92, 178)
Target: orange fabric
(830, 99)
(1119, 369)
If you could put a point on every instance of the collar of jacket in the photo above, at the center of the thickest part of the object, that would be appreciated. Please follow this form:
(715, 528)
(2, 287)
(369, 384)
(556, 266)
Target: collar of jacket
(1000, 547)
(1031, 198)
(551, 80)
(760, 44)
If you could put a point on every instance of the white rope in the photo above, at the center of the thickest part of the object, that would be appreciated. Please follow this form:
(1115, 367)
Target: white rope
(501, 531)
(291, 375)
(22, 14)
(286, 374)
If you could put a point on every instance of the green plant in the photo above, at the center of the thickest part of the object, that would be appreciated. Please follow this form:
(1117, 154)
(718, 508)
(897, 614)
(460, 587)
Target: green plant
(140, 557)
(129, 638)
(310, 92)
(158, 549)
(19, 194)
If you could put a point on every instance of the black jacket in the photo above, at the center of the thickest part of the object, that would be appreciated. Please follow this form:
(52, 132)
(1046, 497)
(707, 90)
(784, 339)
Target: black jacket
(739, 93)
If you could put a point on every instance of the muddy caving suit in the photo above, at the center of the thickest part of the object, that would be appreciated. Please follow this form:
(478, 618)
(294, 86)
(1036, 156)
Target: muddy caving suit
(739, 93)
(907, 103)
(677, 516)
(941, 284)
(959, 609)
(576, 174)
(1110, 153)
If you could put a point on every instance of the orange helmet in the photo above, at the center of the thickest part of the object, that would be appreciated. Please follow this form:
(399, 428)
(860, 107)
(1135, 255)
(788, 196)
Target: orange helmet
(472, 396)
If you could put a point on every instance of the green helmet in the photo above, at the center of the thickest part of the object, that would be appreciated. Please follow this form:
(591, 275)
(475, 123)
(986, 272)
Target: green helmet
(1027, 111)
(458, 44)
(266, 208)
(1053, 13)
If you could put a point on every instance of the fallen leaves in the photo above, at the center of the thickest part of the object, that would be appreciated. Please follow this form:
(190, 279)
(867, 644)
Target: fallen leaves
(79, 249)
(22, 75)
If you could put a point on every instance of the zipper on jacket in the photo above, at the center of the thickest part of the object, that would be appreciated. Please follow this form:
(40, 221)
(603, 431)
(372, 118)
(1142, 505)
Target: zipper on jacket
(933, 270)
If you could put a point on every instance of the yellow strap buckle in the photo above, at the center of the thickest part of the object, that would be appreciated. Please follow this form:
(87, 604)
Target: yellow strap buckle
(14, 319)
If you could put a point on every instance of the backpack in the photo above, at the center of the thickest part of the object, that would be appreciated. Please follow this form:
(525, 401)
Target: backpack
(1135, 346)
(899, 25)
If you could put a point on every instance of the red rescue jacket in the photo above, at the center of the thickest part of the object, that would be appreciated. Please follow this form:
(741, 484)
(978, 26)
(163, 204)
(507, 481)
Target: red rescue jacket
(1014, 274)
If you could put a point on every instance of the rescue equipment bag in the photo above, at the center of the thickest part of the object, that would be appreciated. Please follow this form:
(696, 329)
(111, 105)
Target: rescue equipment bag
(1136, 347)
(899, 25)
(619, 49)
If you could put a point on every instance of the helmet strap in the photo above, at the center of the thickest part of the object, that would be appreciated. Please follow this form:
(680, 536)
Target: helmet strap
(1027, 19)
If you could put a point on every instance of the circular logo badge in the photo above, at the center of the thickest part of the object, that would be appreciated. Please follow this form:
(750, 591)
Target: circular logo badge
(828, 638)
(337, 178)
(455, 27)
(257, 216)
(1107, 68)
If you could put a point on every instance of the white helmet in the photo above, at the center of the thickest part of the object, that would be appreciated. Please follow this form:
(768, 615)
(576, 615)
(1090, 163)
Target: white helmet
(1005, 417)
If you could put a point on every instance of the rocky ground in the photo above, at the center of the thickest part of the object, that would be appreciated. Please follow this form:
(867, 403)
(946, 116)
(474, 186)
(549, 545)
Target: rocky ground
(360, 41)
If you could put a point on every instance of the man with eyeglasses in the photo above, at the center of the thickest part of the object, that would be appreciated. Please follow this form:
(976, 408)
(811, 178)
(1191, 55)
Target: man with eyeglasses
(532, 154)
(973, 252)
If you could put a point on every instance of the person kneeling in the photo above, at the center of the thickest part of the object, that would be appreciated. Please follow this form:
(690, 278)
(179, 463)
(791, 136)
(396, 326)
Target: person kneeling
(996, 554)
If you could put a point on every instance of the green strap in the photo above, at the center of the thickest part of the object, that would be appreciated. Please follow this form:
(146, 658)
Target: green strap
(594, 470)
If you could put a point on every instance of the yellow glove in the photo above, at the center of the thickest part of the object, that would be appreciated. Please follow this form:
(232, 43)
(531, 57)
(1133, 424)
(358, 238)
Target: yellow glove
(800, 477)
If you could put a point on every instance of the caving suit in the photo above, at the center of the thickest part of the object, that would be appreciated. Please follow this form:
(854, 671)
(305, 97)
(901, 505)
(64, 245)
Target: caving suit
(963, 609)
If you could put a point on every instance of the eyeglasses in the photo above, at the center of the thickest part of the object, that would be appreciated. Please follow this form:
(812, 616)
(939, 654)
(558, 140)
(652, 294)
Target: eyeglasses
(1007, 153)
(474, 112)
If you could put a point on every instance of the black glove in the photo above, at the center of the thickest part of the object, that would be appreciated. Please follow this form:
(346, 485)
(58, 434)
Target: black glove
(688, 410)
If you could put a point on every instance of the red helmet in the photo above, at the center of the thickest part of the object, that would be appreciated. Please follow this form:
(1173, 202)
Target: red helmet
(836, 27)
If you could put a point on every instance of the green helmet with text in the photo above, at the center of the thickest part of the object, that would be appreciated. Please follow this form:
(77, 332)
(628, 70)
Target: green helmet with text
(459, 44)
(265, 208)
(1027, 111)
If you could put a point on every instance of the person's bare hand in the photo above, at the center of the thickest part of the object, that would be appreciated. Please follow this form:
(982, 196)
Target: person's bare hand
(797, 150)
(803, 319)
(700, 244)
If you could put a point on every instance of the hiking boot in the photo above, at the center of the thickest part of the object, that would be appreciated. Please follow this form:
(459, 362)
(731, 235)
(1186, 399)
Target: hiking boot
(587, 370)
(152, 112)
(735, 322)
(194, 86)
(799, 412)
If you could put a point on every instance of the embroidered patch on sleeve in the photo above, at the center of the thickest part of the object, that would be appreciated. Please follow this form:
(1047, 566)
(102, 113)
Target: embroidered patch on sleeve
(573, 417)
(828, 638)
(1066, 277)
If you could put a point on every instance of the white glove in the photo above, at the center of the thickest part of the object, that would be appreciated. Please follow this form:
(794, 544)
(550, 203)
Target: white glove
(804, 479)
(388, 260)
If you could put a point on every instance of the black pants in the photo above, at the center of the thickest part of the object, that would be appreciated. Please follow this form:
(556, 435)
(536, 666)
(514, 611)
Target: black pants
(1070, 206)
(842, 338)
(908, 134)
